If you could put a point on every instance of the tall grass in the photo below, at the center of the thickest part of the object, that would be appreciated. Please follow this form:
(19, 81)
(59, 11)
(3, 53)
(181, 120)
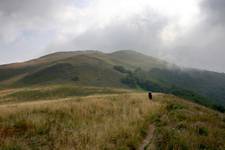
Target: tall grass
(53, 92)
(183, 125)
(80, 121)
(94, 122)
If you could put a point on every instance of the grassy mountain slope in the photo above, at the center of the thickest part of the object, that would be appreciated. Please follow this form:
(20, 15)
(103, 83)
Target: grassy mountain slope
(64, 69)
(206, 83)
(70, 117)
(94, 68)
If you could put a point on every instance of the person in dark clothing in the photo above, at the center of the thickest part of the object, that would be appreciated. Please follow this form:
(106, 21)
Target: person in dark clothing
(150, 95)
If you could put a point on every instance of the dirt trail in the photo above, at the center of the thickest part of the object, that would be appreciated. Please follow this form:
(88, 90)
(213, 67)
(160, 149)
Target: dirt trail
(147, 142)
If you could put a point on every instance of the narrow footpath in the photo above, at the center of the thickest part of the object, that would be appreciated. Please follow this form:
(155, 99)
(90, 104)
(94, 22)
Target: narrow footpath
(147, 142)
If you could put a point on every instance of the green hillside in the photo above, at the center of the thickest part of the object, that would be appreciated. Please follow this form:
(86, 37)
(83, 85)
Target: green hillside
(124, 69)
(206, 83)
(89, 67)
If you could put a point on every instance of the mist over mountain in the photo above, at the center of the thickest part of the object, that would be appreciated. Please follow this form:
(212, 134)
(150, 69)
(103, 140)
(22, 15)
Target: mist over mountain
(188, 33)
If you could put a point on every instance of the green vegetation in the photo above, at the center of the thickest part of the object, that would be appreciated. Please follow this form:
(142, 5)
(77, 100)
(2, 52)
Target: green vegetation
(208, 84)
(141, 79)
(54, 92)
(7, 73)
(59, 71)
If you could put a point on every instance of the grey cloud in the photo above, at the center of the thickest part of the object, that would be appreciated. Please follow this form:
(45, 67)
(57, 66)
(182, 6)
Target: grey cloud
(214, 10)
(20, 16)
(15, 17)
(23, 21)
(140, 32)
(33, 8)
(204, 45)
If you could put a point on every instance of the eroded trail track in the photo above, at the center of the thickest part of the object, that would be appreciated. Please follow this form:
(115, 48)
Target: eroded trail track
(147, 142)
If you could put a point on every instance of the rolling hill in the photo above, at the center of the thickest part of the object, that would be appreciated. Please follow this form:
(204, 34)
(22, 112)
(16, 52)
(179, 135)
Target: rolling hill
(91, 67)
(124, 69)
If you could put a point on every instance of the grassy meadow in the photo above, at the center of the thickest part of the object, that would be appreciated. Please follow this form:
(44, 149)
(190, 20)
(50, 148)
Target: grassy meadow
(89, 118)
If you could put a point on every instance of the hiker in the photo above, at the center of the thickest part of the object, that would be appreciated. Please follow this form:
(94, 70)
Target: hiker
(150, 95)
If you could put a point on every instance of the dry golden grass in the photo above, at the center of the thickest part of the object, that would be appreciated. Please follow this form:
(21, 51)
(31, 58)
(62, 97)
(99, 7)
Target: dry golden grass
(93, 122)
(118, 119)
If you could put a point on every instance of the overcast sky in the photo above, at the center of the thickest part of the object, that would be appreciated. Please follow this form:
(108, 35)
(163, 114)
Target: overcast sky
(186, 32)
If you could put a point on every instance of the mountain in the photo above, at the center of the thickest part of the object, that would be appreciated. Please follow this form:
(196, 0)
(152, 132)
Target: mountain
(125, 69)
(91, 67)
